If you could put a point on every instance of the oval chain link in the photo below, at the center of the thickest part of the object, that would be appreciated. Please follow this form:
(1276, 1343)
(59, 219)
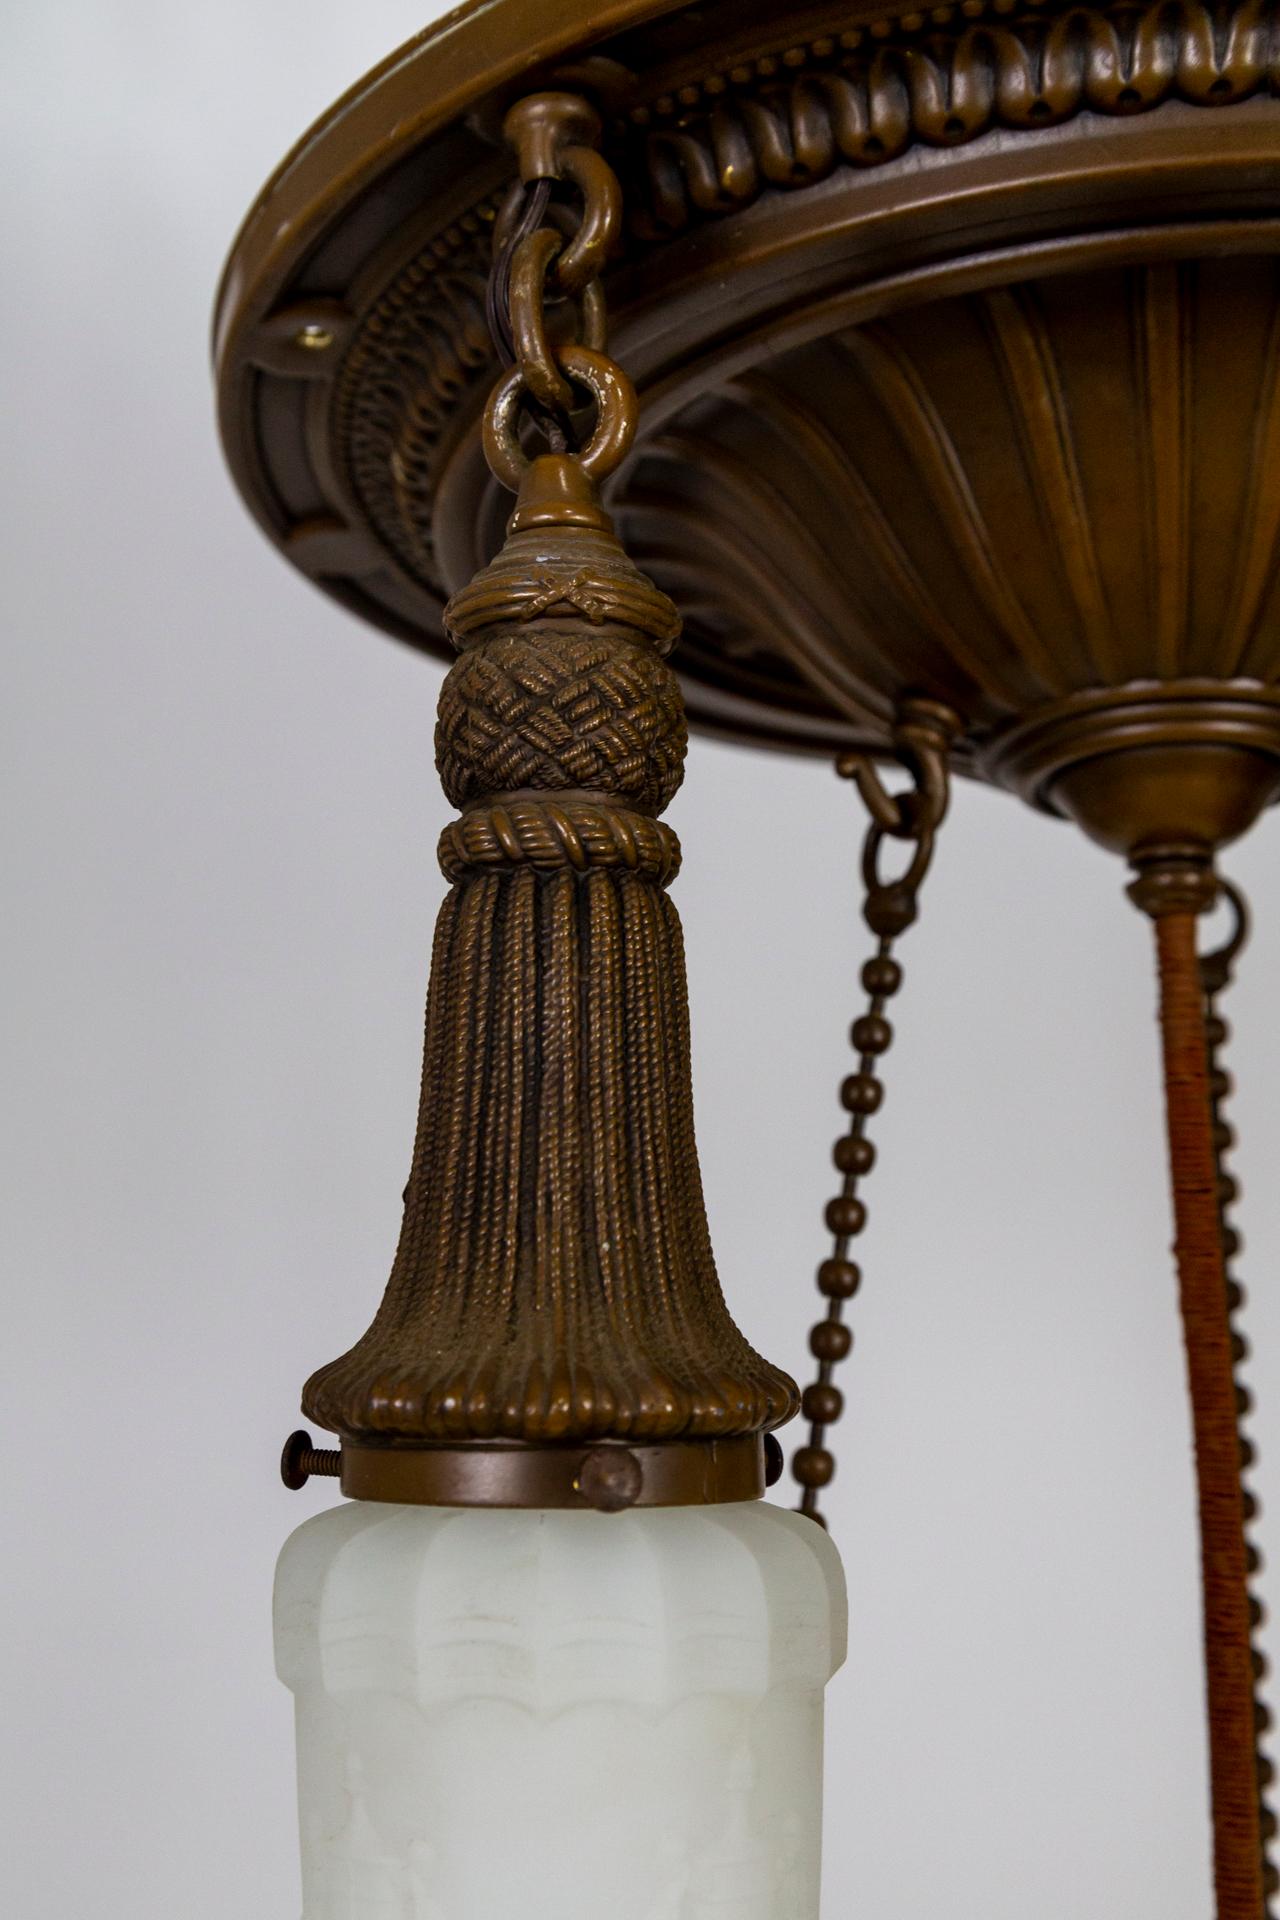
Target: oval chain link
(547, 306)
(535, 354)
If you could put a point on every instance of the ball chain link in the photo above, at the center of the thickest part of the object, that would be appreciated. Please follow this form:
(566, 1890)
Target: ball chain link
(1216, 974)
(923, 735)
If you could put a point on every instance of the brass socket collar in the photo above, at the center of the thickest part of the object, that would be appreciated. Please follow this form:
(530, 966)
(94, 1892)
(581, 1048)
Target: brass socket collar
(608, 1476)
(1173, 879)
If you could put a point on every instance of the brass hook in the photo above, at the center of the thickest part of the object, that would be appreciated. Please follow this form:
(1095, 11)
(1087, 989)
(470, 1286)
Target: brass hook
(924, 732)
(1216, 968)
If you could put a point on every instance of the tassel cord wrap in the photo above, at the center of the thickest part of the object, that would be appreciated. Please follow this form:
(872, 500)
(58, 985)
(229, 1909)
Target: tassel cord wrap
(1224, 1554)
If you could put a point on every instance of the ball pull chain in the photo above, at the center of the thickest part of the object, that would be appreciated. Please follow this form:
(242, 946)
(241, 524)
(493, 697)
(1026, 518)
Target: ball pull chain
(923, 735)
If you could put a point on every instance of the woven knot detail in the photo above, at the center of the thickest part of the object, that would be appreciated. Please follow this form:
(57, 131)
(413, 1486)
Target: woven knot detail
(579, 595)
(539, 834)
(556, 708)
(574, 573)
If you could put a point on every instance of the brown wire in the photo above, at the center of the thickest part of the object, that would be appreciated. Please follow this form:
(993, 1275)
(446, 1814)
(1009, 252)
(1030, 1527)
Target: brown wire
(1198, 1247)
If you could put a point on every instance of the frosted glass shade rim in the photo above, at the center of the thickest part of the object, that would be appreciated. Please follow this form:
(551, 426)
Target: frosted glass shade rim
(559, 1714)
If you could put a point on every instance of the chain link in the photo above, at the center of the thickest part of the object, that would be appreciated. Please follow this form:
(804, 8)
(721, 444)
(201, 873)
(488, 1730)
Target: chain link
(554, 235)
(922, 738)
(1217, 971)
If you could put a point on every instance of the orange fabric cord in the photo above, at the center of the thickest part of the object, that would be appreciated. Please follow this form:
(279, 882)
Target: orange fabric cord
(1237, 1847)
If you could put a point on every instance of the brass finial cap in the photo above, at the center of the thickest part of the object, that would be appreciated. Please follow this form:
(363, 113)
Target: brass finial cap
(561, 560)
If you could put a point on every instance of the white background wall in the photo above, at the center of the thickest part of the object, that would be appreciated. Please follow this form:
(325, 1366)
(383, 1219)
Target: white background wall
(219, 813)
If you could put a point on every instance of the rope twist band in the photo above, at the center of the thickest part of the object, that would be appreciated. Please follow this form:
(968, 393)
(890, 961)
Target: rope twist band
(546, 835)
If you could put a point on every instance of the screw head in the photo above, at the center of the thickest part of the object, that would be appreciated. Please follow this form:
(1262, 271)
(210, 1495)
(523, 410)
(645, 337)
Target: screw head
(293, 1470)
(314, 338)
(610, 1479)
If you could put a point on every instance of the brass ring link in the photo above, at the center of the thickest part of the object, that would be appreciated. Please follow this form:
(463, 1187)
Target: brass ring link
(617, 411)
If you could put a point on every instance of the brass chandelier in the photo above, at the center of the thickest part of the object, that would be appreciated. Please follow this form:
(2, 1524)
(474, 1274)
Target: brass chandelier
(929, 364)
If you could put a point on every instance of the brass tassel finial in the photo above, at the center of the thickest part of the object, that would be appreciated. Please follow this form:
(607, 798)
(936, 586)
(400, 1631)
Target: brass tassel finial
(554, 1293)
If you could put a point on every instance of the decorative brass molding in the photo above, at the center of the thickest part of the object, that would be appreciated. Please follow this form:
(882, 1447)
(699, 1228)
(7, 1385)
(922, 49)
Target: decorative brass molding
(1030, 757)
(1151, 764)
(1009, 498)
(420, 346)
(1002, 601)
(362, 457)
(865, 95)
(860, 96)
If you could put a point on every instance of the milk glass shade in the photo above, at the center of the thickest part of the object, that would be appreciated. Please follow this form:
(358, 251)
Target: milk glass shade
(559, 1714)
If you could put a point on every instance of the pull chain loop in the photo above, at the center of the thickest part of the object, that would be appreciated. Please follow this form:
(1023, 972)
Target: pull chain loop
(923, 735)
